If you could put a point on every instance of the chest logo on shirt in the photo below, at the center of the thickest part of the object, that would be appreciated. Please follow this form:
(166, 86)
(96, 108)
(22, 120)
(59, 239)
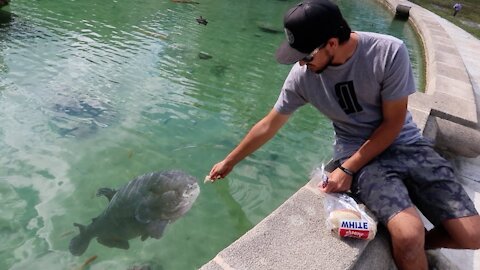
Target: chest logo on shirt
(347, 98)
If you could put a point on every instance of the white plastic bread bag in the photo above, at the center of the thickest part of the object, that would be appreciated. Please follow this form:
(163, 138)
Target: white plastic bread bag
(345, 217)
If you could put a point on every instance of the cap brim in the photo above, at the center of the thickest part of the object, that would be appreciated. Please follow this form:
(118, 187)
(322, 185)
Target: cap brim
(288, 55)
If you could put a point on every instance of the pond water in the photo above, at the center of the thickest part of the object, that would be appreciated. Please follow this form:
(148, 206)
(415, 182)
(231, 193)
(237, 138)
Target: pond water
(94, 93)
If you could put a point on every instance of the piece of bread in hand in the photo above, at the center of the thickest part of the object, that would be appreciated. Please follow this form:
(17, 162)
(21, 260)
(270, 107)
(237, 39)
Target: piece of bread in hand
(208, 179)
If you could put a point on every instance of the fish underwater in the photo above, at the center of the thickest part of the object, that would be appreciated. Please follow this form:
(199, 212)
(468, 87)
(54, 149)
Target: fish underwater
(80, 116)
(142, 207)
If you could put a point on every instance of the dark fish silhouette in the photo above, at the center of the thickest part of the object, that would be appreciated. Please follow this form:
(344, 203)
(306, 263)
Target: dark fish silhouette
(80, 116)
(185, 1)
(201, 20)
(204, 56)
(143, 207)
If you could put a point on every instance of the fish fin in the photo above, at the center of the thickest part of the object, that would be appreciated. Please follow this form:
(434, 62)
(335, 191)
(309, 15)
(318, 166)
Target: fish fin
(80, 227)
(168, 198)
(79, 243)
(143, 214)
(155, 228)
(107, 192)
(116, 243)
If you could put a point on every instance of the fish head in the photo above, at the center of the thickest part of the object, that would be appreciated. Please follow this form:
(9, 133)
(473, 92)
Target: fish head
(191, 192)
(186, 199)
(173, 194)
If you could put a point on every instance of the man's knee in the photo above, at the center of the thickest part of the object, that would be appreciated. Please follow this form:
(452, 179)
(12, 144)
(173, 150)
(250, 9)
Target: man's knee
(407, 232)
(475, 244)
(471, 239)
(465, 231)
(410, 240)
(474, 233)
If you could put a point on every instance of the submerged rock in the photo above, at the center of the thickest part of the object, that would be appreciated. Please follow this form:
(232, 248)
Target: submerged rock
(204, 56)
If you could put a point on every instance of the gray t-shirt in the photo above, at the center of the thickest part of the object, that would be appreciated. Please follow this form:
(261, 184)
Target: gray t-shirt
(351, 94)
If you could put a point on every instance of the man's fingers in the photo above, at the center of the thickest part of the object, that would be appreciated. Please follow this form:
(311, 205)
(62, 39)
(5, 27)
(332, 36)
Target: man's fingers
(327, 187)
(213, 177)
(324, 187)
(324, 181)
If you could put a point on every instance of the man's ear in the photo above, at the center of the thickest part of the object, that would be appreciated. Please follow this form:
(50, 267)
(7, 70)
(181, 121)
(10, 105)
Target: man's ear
(333, 42)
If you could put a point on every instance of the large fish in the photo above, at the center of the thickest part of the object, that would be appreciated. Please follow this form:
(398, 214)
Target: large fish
(142, 207)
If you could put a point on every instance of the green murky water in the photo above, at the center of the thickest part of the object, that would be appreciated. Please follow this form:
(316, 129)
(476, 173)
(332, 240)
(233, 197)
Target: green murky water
(94, 93)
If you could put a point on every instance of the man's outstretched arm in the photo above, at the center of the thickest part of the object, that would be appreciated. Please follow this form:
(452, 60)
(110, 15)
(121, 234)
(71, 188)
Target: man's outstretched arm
(260, 133)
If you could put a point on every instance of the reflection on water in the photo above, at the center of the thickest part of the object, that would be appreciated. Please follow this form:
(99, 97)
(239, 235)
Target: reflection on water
(94, 93)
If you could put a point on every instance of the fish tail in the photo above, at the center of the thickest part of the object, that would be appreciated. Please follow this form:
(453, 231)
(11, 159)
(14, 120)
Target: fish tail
(79, 243)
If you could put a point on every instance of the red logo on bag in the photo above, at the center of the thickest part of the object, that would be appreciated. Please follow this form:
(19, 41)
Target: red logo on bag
(354, 228)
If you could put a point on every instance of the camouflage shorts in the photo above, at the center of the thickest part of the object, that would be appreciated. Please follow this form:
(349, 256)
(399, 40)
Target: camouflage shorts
(407, 175)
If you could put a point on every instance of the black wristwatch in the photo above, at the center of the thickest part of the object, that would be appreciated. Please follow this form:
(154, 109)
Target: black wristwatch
(345, 170)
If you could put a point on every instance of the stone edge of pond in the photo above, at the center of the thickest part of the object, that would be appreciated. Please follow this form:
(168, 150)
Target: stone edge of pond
(294, 236)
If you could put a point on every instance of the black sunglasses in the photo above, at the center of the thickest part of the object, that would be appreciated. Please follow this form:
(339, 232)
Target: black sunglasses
(309, 58)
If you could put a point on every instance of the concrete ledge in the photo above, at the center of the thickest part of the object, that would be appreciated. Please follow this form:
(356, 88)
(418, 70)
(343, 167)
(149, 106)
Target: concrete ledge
(292, 237)
(450, 115)
(447, 139)
(420, 106)
(446, 75)
(378, 254)
(455, 109)
(449, 94)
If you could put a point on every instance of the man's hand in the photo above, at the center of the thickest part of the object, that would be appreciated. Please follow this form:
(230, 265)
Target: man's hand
(338, 181)
(220, 170)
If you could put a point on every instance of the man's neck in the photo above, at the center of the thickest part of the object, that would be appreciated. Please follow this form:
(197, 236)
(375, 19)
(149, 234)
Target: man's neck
(346, 50)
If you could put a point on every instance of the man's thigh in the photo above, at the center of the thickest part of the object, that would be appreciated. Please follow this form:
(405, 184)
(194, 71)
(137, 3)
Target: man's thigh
(434, 189)
(382, 190)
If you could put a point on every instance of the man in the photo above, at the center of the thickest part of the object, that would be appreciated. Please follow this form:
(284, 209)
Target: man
(361, 81)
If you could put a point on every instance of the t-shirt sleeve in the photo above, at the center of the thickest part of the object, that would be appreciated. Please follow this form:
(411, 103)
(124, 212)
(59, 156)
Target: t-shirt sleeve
(290, 98)
(398, 81)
